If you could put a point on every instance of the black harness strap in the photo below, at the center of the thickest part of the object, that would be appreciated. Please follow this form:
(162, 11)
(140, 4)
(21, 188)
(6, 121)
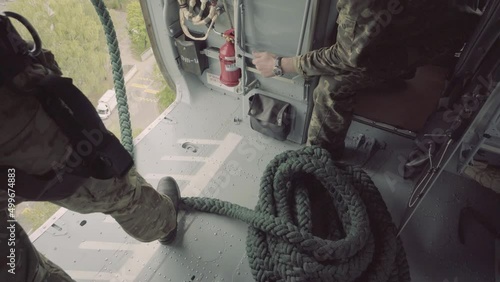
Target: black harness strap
(96, 151)
(98, 148)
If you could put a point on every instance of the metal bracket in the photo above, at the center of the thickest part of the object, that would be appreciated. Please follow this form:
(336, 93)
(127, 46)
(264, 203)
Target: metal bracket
(362, 146)
(252, 85)
(211, 52)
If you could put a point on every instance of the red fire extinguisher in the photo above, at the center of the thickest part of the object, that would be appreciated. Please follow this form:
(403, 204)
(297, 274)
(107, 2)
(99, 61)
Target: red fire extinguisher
(229, 74)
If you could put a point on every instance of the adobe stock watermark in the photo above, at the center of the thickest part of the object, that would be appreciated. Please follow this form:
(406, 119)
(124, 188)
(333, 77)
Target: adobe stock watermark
(11, 221)
(382, 19)
(249, 150)
(84, 148)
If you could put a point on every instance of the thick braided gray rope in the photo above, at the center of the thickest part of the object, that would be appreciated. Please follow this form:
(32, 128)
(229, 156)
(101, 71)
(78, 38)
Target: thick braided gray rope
(360, 242)
(116, 63)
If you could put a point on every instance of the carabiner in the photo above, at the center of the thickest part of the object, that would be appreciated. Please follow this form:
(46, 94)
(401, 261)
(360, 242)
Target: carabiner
(37, 48)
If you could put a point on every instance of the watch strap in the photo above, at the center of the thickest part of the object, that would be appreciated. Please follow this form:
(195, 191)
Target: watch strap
(277, 62)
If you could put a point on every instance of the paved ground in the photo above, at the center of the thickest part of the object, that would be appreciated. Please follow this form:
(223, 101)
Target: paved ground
(142, 99)
(141, 89)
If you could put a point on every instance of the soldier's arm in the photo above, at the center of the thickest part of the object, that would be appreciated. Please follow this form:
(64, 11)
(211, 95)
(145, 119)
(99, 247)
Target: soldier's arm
(360, 24)
(318, 62)
(343, 56)
(324, 61)
(264, 62)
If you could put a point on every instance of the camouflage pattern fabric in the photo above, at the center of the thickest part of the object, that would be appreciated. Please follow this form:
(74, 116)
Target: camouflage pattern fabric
(32, 142)
(142, 212)
(29, 138)
(378, 41)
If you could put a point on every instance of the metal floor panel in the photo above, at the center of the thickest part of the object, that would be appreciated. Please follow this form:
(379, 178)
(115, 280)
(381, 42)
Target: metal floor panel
(211, 155)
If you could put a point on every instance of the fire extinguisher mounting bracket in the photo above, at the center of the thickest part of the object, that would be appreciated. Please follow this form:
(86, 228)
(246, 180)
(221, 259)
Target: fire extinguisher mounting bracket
(191, 56)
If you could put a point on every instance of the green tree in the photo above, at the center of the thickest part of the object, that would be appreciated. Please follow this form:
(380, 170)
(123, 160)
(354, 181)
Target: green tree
(72, 31)
(137, 28)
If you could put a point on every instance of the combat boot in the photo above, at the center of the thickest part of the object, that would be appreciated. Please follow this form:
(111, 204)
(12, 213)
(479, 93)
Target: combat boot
(337, 152)
(168, 186)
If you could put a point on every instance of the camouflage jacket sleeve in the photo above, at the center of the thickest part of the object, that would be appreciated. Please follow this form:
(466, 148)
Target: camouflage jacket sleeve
(359, 30)
(29, 139)
(325, 61)
(343, 56)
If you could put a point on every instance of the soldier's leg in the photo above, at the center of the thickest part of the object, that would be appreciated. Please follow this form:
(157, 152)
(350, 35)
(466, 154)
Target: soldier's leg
(330, 118)
(141, 211)
(351, 68)
(372, 57)
(32, 142)
(19, 259)
(333, 108)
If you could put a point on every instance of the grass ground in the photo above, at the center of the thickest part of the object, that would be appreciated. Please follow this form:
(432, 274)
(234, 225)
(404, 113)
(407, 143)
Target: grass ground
(115, 129)
(117, 4)
(33, 214)
(165, 98)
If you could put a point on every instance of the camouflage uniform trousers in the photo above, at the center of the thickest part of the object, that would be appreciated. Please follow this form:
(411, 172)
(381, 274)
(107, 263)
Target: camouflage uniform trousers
(378, 42)
(32, 142)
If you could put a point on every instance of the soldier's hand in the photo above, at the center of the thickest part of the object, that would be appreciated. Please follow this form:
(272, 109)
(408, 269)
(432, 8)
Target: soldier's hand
(264, 62)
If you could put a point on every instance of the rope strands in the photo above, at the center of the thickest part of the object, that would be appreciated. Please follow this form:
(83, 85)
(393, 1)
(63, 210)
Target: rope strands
(316, 220)
(119, 81)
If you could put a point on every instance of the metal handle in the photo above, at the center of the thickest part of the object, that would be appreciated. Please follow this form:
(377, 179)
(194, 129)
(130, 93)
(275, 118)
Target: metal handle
(37, 48)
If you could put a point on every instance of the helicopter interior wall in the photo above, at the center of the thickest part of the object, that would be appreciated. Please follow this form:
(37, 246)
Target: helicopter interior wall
(272, 27)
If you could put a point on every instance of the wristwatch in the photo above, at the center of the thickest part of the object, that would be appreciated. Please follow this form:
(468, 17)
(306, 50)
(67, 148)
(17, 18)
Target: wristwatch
(277, 71)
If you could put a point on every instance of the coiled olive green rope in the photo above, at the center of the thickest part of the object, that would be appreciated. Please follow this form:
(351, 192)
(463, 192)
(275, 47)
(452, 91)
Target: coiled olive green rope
(119, 81)
(345, 235)
(360, 242)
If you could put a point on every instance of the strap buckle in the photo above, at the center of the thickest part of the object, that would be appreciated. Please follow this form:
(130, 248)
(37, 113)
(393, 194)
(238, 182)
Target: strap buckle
(15, 53)
(11, 42)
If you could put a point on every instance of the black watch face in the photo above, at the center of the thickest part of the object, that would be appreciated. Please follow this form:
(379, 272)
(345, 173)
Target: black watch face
(278, 71)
